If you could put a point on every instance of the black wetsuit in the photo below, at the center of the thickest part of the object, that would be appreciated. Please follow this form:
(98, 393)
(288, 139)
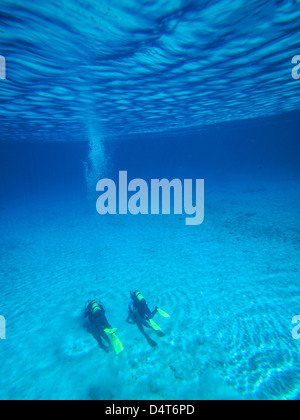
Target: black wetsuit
(141, 307)
(96, 314)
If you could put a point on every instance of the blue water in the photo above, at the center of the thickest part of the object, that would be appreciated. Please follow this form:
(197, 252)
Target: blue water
(161, 89)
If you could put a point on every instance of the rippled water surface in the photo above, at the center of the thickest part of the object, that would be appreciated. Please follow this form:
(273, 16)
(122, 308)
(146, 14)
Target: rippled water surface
(132, 66)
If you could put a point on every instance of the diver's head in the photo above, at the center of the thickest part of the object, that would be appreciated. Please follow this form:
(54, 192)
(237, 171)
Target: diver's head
(134, 294)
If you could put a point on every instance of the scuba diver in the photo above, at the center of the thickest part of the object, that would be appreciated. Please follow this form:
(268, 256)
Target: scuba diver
(141, 314)
(96, 313)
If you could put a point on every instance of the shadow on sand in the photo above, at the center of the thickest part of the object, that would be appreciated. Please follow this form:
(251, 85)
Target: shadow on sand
(135, 319)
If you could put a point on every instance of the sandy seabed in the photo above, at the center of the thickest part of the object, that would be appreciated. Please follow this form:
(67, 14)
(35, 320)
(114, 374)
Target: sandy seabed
(230, 285)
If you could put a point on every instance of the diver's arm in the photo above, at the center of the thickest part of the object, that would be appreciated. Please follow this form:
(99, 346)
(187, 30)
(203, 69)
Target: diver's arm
(87, 310)
(130, 306)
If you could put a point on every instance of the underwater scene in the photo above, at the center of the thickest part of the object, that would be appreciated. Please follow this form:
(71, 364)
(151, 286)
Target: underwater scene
(150, 200)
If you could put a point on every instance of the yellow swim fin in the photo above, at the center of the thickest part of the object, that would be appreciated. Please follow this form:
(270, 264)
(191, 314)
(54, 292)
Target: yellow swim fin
(163, 313)
(118, 346)
(154, 325)
(110, 331)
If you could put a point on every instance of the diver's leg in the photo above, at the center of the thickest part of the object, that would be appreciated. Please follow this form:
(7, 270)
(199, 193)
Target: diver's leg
(105, 323)
(154, 312)
(97, 332)
(140, 325)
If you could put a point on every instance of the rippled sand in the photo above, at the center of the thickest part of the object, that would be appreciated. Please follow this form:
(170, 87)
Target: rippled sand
(229, 285)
